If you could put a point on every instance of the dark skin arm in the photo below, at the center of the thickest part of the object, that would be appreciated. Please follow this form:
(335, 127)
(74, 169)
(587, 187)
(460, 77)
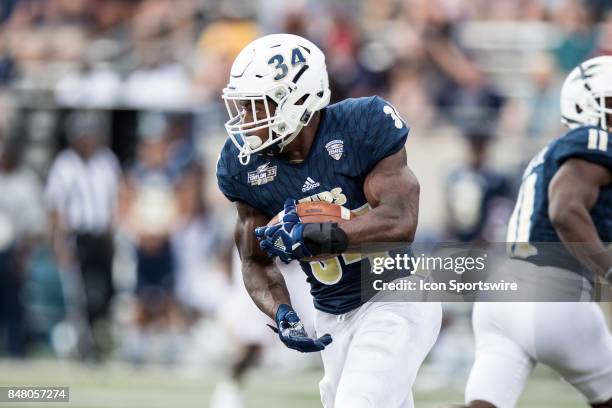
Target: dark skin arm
(572, 193)
(390, 188)
(263, 280)
(393, 191)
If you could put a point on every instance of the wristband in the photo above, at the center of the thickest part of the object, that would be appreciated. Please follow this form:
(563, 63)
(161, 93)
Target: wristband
(324, 238)
(282, 310)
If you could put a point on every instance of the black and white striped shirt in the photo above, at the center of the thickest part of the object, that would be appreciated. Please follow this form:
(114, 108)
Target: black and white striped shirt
(83, 191)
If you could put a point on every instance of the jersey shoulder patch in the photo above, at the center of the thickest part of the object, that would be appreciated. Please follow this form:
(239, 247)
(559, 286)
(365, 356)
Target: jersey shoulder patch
(587, 143)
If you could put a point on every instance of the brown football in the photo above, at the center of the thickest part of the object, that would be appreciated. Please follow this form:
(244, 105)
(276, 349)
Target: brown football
(317, 211)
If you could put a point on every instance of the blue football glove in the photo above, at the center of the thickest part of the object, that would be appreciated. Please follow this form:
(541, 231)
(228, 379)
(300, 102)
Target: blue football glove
(291, 332)
(284, 239)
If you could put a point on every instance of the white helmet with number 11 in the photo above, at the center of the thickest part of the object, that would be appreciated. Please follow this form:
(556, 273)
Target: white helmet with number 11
(285, 69)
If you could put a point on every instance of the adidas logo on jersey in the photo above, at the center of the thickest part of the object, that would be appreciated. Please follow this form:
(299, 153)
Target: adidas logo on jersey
(279, 244)
(310, 184)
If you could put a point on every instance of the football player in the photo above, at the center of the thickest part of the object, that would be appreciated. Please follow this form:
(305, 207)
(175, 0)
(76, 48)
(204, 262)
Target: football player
(565, 197)
(286, 144)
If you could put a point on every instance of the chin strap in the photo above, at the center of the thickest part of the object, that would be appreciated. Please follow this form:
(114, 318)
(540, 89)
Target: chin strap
(255, 142)
(244, 158)
(285, 142)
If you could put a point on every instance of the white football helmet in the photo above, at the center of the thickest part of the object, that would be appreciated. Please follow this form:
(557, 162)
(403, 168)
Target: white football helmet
(584, 92)
(286, 69)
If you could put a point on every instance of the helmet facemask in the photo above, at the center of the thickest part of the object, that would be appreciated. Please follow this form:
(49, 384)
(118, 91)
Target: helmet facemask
(244, 134)
(597, 109)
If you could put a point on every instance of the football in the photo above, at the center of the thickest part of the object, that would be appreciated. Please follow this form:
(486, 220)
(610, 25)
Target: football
(318, 212)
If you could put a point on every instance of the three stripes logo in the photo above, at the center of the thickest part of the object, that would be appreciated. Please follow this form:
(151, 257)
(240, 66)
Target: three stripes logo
(280, 244)
(310, 184)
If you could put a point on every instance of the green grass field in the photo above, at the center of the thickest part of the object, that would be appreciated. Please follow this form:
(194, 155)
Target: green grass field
(121, 386)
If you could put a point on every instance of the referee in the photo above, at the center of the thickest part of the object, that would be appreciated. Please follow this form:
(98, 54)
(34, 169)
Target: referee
(81, 198)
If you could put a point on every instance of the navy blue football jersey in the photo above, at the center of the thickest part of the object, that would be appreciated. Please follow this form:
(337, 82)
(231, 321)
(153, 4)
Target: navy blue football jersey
(530, 232)
(353, 136)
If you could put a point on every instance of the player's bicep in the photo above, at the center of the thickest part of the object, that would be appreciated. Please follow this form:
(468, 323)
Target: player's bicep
(577, 180)
(392, 182)
(244, 234)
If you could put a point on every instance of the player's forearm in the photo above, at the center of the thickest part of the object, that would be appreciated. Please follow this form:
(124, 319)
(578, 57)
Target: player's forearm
(573, 192)
(576, 230)
(382, 224)
(393, 192)
(266, 286)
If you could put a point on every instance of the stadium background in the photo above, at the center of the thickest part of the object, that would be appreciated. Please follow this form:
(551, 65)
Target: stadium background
(478, 81)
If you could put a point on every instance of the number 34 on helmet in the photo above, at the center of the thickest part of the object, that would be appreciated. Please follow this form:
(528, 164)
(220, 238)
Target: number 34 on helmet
(285, 69)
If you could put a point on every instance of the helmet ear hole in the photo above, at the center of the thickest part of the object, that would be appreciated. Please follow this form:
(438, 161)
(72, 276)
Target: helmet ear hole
(301, 101)
(578, 109)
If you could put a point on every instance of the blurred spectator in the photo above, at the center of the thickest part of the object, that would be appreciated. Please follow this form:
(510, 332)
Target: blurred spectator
(91, 85)
(159, 82)
(600, 7)
(21, 221)
(543, 98)
(218, 45)
(161, 34)
(478, 198)
(341, 46)
(604, 42)
(7, 66)
(151, 214)
(408, 96)
(168, 20)
(81, 195)
(460, 88)
(576, 19)
(181, 148)
(7, 8)
(196, 242)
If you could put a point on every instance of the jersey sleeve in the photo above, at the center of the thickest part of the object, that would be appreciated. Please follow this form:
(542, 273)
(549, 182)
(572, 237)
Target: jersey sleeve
(228, 186)
(588, 143)
(386, 131)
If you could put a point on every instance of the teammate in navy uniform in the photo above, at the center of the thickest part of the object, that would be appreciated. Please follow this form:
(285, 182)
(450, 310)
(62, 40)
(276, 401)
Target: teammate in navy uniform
(558, 233)
(287, 145)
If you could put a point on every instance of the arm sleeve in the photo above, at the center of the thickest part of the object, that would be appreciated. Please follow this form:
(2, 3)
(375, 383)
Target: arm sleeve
(386, 132)
(589, 144)
(226, 184)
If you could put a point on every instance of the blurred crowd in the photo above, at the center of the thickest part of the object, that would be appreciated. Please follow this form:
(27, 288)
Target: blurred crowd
(426, 56)
(110, 122)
